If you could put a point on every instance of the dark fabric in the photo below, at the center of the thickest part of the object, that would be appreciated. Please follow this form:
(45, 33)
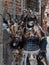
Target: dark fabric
(4, 21)
(48, 29)
(16, 43)
(31, 44)
(43, 44)
(42, 34)
(30, 26)
(30, 18)
(28, 62)
(26, 19)
(40, 57)
(11, 23)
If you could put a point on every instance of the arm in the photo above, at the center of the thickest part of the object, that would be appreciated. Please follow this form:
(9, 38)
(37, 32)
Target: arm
(37, 31)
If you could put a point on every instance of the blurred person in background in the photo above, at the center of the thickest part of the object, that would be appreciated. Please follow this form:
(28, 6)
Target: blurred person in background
(42, 45)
